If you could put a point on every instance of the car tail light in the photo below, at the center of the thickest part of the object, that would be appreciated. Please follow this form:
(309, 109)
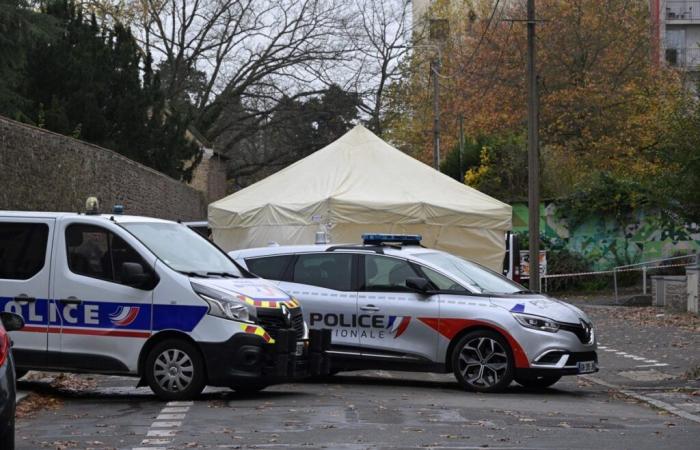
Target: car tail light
(4, 346)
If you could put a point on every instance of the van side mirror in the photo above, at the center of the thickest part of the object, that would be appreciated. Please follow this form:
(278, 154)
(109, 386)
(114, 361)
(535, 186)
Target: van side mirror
(11, 321)
(133, 275)
(418, 284)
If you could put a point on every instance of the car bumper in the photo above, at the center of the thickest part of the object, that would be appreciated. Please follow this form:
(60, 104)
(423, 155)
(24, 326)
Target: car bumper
(7, 398)
(560, 363)
(248, 359)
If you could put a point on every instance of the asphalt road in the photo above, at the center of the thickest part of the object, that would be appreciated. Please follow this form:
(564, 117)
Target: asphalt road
(398, 410)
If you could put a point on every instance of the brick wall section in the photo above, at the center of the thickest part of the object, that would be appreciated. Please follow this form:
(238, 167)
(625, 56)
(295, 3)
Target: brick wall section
(45, 171)
(210, 177)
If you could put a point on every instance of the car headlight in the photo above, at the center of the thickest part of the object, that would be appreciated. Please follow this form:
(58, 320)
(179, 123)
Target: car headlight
(536, 322)
(225, 305)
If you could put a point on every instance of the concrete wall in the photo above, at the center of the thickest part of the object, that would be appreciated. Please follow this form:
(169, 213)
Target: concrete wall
(670, 291)
(45, 171)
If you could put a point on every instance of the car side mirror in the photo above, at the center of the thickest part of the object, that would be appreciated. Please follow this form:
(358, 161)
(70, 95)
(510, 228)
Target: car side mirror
(133, 275)
(418, 284)
(11, 321)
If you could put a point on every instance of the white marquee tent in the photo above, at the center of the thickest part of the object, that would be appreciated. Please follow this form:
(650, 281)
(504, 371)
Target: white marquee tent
(361, 184)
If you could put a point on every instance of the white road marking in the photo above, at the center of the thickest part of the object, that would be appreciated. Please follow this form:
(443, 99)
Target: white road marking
(155, 441)
(160, 428)
(170, 417)
(166, 424)
(176, 409)
(163, 433)
(653, 365)
(190, 403)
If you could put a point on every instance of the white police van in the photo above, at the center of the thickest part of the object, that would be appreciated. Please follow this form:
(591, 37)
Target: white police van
(150, 298)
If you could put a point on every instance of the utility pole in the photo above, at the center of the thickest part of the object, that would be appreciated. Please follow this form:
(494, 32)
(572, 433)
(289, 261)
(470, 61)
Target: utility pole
(435, 72)
(533, 198)
(461, 146)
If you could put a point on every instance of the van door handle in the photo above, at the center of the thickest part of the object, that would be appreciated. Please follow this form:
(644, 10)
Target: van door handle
(24, 298)
(369, 308)
(70, 301)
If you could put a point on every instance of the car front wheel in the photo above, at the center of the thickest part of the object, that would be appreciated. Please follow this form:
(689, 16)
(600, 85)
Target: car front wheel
(482, 361)
(175, 370)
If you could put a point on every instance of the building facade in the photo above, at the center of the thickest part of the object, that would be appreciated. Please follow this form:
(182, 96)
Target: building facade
(676, 28)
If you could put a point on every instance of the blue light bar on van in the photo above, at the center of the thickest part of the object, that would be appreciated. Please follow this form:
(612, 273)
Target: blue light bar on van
(381, 238)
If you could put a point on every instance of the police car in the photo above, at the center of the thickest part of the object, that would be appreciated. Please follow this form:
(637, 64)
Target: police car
(392, 304)
(146, 297)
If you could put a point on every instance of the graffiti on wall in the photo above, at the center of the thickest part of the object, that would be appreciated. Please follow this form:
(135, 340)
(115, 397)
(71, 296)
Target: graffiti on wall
(603, 242)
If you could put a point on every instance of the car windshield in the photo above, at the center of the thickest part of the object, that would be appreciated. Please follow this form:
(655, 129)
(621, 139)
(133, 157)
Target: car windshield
(487, 281)
(183, 249)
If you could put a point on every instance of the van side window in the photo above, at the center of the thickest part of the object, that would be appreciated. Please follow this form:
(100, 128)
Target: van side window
(98, 253)
(270, 267)
(22, 249)
(327, 270)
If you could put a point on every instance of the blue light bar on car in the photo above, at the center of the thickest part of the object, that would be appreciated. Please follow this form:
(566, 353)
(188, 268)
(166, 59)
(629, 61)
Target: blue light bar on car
(381, 238)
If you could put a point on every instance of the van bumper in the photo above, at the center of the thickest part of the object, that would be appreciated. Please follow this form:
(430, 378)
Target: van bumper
(246, 359)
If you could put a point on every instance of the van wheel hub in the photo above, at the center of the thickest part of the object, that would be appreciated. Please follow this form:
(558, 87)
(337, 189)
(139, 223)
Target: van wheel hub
(173, 370)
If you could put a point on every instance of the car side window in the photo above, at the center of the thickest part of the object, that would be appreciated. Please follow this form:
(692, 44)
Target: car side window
(22, 249)
(270, 267)
(441, 282)
(387, 274)
(98, 253)
(328, 270)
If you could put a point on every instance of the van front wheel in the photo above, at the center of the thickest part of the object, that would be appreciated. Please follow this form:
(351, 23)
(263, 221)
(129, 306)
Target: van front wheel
(175, 370)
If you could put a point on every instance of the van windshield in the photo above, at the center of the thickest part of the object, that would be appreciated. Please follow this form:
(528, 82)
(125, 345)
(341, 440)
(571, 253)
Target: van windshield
(488, 281)
(183, 249)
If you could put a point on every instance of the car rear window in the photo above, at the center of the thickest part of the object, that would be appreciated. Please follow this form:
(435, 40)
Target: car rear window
(22, 249)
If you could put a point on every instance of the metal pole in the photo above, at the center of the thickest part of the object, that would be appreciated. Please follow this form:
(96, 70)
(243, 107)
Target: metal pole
(615, 282)
(435, 71)
(644, 280)
(461, 146)
(533, 151)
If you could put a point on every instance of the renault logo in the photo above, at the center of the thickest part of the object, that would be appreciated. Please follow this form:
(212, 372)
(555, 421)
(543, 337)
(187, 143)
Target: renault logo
(287, 316)
(586, 328)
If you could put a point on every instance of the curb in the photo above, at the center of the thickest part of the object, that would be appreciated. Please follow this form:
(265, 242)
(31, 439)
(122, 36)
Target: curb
(21, 395)
(646, 399)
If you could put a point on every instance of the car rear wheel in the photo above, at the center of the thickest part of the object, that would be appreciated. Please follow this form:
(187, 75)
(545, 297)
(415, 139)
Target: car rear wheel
(175, 370)
(544, 381)
(482, 361)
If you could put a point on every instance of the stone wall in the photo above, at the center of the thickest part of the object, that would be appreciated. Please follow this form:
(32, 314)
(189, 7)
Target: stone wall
(210, 176)
(45, 171)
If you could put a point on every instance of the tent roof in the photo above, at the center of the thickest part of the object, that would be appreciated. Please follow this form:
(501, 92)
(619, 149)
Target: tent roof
(359, 178)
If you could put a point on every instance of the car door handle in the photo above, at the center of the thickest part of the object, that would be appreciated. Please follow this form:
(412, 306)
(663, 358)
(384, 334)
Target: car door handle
(369, 308)
(24, 298)
(70, 301)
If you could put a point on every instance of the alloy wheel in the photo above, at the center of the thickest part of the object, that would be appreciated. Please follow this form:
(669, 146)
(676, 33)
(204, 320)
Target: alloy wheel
(483, 362)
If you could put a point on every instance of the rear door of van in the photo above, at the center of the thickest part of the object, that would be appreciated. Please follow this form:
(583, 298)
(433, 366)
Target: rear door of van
(25, 267)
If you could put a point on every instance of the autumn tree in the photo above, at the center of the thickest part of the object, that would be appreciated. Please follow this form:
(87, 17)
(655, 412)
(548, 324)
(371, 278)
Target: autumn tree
(605, 104)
